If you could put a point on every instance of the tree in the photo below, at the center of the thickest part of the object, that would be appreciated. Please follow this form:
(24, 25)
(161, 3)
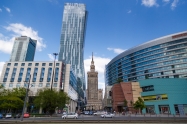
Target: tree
(139, 104)
(119, 80)
(11, 99)
(125, 102)
(50, 99)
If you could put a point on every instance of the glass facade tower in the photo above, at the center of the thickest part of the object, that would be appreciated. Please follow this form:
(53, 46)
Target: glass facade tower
(164, 57)
(72, 38)
(23, 49)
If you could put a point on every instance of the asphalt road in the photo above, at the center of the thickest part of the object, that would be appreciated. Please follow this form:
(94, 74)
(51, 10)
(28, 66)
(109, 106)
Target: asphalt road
(98, 119)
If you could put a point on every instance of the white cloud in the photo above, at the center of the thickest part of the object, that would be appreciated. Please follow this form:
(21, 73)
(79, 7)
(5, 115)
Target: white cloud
(6, 44)
(0, 10)
(174, 4)
(116, 50)
(7, 9)
(1, 67)
(149, 3)
(129, 11)
(51, 57)
(18, 30)
(99, 67)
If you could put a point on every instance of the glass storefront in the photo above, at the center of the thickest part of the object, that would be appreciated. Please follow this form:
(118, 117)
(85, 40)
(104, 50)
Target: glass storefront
(150, 109)
(164, 109)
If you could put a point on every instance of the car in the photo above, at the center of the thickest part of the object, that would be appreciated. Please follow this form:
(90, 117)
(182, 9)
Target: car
(70, 115)
(8, 115)
(99, 113)
(86, 112)
(90, 113)
(1, 116)
(26, 115)
(17, 115)
(107, 115)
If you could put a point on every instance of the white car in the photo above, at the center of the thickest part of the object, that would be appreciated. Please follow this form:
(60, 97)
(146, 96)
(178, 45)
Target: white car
(70, 115)
(8, 115)
(99, 113)
(107, 115)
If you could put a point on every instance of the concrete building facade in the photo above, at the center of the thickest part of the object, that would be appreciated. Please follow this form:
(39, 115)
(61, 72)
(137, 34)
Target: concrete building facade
(39, 75)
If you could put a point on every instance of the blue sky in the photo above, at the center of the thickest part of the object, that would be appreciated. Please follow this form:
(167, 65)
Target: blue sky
(112, 26)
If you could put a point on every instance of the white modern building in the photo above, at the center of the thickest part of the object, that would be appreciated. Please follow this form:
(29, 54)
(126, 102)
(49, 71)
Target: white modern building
(23, 49)
(40, 75)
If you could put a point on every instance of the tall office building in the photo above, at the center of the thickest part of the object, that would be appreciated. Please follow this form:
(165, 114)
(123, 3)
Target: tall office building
(23, 49)
(72, 38)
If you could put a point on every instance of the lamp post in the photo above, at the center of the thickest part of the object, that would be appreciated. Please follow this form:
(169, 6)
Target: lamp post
(26, 95)
(55, 54)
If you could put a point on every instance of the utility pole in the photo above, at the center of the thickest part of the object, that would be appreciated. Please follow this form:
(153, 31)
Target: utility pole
(26, 95)
(55, 54)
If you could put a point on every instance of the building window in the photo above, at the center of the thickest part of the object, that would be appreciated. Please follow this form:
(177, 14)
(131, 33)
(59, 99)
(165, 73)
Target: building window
(13, 74)
(47, 84)
(43, 64)
(15, 64)
(22, 64)
(6, 74)
(50, 64)
(35, 75)
(4, 84)
(20, 74)
(18, 85)
(42, 74)
(49, 74)
(56, 74)
(28, 74)
(11, 85)
(33, 85)
(36, 64)
(29, 64)
(55, 85)
(9, 64)
(40, 85)
(57, 64)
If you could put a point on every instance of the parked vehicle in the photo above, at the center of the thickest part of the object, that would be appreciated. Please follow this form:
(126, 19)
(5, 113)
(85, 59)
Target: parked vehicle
(70, 115)
(17, 115)
(90, 112)
(99, 113)
(8, 115)
(86, 112)
(26, 115)
(1, 116)
(107, 115)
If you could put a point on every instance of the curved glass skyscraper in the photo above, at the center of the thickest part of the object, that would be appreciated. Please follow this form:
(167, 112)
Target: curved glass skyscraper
(72, 38)
(165, 57)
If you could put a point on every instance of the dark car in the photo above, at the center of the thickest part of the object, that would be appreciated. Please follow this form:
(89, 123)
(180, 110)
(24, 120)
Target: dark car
(17, 115)
(1, 116)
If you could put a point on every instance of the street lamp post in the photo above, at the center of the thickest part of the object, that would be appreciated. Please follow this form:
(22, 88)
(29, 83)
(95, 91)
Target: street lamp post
(26, 95)
(55, 54)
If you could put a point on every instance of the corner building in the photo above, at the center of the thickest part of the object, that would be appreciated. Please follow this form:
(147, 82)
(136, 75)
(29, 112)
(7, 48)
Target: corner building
(164, 57)
(72, 38)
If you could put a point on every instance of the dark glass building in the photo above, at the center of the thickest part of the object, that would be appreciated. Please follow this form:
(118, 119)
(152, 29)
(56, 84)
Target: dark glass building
(164, 57)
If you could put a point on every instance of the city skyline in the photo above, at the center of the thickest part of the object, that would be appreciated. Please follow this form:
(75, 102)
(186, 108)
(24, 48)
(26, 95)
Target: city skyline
(111, 27)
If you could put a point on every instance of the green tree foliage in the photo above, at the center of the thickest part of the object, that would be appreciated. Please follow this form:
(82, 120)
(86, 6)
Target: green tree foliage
(11, 99)
(119, 80)
(125, 102)
(50, 99)
(139, 104)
